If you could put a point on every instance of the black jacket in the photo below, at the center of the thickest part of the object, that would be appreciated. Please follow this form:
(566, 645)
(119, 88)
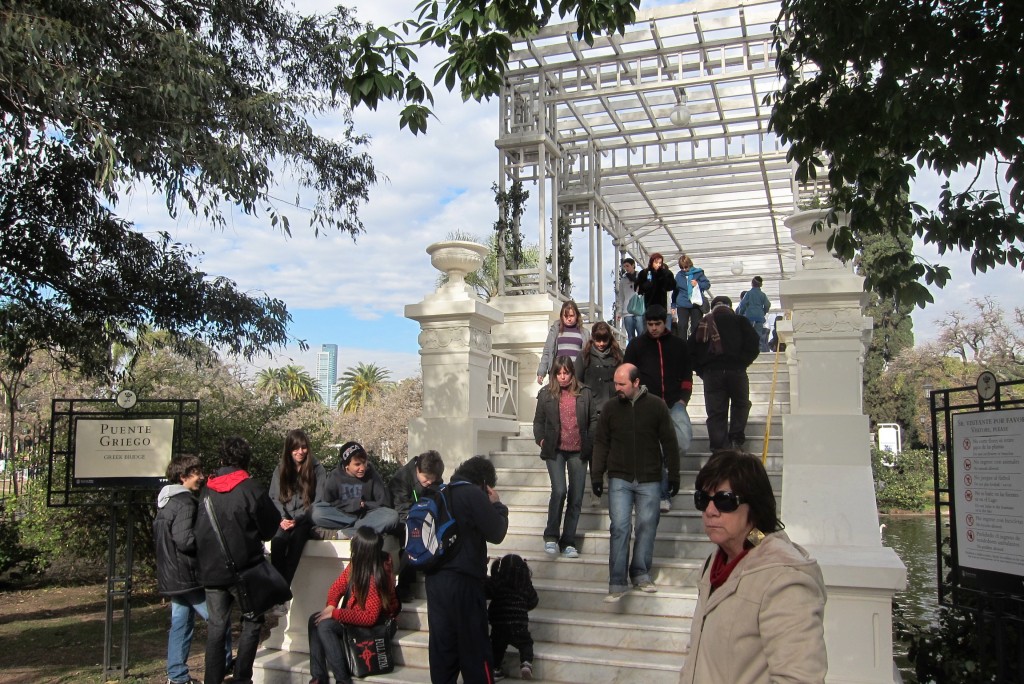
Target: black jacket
(247, 518)
(664, 365)
(655, 286)
(177, 569)
(480, 522)
(597, 371)
(405, 488)
(631, 437)
(740, 343)
(547, 422)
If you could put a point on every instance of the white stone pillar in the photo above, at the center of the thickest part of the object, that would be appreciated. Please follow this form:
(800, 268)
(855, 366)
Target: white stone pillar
(828, 495)
(455, 356)
(528, 319)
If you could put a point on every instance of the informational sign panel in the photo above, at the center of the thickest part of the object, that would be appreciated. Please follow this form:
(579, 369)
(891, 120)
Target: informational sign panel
(987, 488)
(112, 451)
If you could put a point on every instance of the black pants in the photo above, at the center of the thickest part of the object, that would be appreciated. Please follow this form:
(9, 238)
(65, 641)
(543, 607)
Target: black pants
(457, 617)
(502, 636)
(286, 547)
(727, 400)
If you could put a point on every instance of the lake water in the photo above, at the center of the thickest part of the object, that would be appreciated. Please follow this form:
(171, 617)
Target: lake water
(913, 540)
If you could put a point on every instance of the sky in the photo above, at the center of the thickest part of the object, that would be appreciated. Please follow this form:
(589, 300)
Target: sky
(353, 293)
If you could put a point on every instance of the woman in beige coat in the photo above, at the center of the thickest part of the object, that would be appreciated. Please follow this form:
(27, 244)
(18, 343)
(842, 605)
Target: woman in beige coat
(761, 597)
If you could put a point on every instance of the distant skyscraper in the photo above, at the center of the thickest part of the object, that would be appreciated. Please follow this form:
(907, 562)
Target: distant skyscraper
(327, 372)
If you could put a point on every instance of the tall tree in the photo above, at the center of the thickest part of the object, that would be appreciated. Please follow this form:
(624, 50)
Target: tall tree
(289, 383)
(881, 88)
(208, 103)
(359, 384)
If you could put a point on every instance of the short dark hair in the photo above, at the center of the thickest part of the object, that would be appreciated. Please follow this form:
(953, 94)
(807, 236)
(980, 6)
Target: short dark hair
(430, 463)
(629, 260)
(478, 470)
(236, 452)
(181, 466)
(748, 480)
(655, 312)
(721, 299)
(757, 281)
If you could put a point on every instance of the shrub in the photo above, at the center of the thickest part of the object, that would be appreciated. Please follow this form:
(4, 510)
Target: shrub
(908, 484)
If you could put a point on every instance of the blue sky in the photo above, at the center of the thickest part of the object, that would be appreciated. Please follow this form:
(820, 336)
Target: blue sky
(353, 293)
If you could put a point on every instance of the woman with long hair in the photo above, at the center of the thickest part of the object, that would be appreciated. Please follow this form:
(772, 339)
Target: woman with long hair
(297, 484)
(567, 337)
(596, 366)
(655, 283)
(563, 426)
(363, 595)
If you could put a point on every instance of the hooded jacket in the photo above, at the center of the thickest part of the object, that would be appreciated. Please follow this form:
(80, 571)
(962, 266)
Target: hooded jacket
(247, 518)
(597, 371)
(177, 569)
(294, 508)
(630, 438)
(405, 488)
(345, 492)
(765, 624)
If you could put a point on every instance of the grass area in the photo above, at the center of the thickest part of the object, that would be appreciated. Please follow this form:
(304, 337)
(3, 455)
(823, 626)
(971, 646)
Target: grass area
(54, 635)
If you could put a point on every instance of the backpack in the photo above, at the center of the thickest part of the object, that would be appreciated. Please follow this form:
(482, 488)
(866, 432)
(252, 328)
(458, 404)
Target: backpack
(431, 532)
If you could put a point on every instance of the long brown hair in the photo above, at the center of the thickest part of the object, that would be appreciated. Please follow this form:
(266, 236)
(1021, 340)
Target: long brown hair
(602, 332)
(574, 384)
(561, 312)
(297, 479)
(367, 566)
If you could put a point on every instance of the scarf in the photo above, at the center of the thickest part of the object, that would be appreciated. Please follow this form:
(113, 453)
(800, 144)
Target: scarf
(707, 333)
(720, 570)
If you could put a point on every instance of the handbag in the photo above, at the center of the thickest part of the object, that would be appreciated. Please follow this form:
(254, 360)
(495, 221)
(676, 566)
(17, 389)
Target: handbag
(705, 305)
(636, 305)
(368, 650)
(260, 587)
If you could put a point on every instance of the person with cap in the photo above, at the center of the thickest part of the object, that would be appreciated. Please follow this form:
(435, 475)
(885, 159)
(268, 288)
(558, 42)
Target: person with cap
(754, 306)
(724, 346)
(663, 361)
(355, 496)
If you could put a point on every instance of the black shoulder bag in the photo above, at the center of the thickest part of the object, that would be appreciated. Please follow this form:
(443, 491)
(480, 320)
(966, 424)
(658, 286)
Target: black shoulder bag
(260, 587)
(368, 650)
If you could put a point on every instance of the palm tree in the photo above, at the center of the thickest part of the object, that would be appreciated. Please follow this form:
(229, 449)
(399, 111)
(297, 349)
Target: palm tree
(359, 384)
(291, 382)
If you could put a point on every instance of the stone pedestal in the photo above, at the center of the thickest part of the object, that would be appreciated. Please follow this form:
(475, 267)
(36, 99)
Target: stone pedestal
(455, 353)
(528, 319)
(828, 496)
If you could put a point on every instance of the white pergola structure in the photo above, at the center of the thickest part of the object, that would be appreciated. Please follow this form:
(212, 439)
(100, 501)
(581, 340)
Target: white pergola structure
(593, 127)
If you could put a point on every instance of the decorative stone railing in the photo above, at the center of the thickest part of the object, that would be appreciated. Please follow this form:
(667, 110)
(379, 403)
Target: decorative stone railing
(503, 386)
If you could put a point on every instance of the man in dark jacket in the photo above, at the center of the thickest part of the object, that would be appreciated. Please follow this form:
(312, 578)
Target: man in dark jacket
(177, 570)
(407, 486)
(724, 346)
(455, 591)
(247, 518)
(632, 433)
(355, 496)
(663, 361)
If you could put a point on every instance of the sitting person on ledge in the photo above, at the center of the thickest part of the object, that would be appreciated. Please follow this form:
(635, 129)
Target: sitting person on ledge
(355, 496)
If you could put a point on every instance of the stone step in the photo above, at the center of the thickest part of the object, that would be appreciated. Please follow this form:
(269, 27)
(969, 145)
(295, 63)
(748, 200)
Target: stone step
(683, 518)
(595, 542)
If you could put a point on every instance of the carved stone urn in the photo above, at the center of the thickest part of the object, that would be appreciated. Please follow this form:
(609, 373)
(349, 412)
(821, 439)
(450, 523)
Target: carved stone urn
(457, 258)
(801, 224)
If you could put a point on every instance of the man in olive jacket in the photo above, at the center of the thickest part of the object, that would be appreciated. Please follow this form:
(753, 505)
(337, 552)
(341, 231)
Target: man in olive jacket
(632, 432)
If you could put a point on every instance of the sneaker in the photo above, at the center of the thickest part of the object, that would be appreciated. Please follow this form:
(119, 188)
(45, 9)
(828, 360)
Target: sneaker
(526, 668)
(646, 587)
(666, 505)
(614, 596)
(190, 680)
(570, 552)
(499, 674)
(551, 547)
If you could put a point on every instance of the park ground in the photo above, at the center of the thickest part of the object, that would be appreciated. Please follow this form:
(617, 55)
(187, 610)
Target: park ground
(54, 635)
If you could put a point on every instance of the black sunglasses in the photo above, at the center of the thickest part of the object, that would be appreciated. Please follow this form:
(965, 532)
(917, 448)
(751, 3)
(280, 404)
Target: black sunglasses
(725, 502)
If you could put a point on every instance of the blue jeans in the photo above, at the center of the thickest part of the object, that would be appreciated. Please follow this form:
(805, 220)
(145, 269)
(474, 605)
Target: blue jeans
(218, 601)
(380, 520)
(623, 498)
(684, 435)
(184, 608)
(326, 651)
(633, 325)
(557, 467)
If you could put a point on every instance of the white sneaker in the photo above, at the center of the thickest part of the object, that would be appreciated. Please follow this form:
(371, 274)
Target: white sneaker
(551, 547)
(666, 506)
(646, 587)
(570, 552)
(614, 596)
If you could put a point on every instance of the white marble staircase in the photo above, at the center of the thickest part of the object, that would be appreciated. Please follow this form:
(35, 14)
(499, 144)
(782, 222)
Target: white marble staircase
(578, 637)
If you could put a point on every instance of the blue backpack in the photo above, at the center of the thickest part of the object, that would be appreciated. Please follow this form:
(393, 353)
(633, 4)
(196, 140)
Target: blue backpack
(431, 531)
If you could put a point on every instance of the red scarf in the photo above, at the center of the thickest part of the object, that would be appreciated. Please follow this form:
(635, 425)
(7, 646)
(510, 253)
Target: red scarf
(720, 570)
